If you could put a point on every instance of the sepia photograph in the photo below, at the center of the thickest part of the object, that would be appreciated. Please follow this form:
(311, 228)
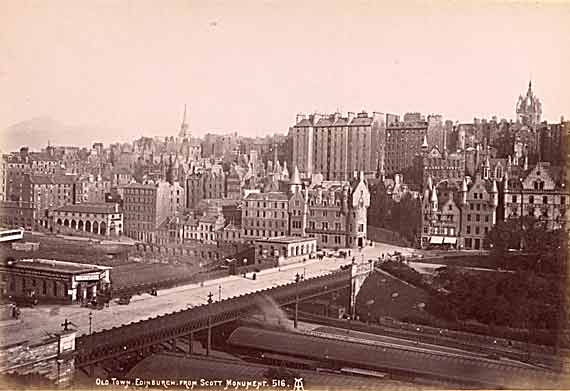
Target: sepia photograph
(284, 195)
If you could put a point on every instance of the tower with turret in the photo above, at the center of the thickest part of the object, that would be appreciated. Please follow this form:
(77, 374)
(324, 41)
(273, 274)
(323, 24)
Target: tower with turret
(529, 108)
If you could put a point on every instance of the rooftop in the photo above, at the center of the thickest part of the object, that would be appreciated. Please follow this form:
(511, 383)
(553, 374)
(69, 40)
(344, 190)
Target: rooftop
(271, 196)
(89, 207)
(53, 265)
(52, 179)
(286, 239)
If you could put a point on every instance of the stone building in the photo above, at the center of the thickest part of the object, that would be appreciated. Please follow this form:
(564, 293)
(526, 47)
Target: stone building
(145, 207)
(337, 212)
(43, 192)
(337, 146)
(265, 215)
(541, 192)
(440, 166)
(92, 189)
(98, 218)
(403, 142)
(441, 216)
(479, 202)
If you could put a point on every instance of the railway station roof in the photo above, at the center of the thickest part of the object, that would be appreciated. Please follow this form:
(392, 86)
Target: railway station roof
(361, 354)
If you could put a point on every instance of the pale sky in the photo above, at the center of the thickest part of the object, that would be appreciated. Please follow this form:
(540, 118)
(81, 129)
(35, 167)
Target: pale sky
(250, 66)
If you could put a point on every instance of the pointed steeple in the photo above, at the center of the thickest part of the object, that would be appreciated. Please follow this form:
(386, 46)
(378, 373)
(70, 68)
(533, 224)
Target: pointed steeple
(464, 185)
(529, 92)
(183, 126)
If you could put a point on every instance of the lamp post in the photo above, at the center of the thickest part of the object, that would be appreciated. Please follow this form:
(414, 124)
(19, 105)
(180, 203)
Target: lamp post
(219, 293)
(522, 213)
(209, 342)
(296, 320)
(90, 321)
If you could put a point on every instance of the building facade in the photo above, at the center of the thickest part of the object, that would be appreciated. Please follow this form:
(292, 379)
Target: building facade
(145, 207)
(98, 218)
(404, 141)
(479, 203)
(541, 192)
(338, 146)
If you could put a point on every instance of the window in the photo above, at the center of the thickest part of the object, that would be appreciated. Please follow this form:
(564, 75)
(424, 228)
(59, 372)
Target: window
(562, 200)
(486, 230)
(476, 230)
(468, 230)
(514, 198)
(468, 217)
(325, 225)
(324, 238)
(477, 217)
(450, 207)
(337, 226)
(544, 199)
(531, 199)
(360, 227)
(478, 206)
(486, 218)
(471, 207)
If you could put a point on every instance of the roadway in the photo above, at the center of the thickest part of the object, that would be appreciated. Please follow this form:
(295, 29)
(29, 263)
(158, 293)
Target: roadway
(44, 320)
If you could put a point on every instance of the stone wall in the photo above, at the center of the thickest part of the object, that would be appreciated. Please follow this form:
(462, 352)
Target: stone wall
(51, 358)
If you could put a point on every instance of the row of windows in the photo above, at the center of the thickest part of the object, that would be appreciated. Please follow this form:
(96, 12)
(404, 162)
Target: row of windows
(263, 233)
(259, 204)
(531, 199)
(139, 191)
(264, 214)
(263, 223)
(477, 230)
(478, 206)
(478, 218)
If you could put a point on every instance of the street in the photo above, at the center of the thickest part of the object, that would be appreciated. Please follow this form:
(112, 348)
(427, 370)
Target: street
(43, 320)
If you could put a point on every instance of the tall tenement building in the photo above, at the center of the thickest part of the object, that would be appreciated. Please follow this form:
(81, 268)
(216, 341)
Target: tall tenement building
(146, 207)
(404, 140)
(336, 146)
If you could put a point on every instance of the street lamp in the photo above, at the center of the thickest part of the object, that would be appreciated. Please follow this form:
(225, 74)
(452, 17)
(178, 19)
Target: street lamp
(209, 342)
(90, 321)
(522, 213)
(296, 320)
(219, 293)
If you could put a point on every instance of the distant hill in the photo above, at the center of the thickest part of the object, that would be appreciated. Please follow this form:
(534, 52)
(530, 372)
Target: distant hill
(36, 132)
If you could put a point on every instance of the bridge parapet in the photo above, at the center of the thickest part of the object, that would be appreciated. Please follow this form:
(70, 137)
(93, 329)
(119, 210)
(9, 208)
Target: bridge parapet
(150, 331)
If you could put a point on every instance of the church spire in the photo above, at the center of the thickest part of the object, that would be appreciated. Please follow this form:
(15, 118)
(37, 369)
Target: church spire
(183, 126)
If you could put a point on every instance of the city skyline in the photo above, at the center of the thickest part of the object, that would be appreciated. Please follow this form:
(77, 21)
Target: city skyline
(115, 68)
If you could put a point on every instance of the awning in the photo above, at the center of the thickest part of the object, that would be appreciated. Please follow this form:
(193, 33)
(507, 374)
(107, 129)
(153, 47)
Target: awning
(436, 240)
(449, 240)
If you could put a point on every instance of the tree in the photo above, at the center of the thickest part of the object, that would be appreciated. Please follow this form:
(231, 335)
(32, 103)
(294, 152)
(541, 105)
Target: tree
(380, 205)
